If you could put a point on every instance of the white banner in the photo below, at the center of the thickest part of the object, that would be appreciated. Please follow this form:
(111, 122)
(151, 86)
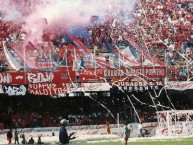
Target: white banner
(181, 86)
(87, 130)
(1, 90)
(88, 87)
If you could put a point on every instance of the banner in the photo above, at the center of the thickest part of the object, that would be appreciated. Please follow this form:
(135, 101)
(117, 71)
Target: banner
(46, 64)
(1, 89)
(34, 77)
(139, 86)
(180, 86)
(88, 87)
(86, 132)
(47, 89)
(15, 90)
(63, 88)
(118, 74)
(67, 75)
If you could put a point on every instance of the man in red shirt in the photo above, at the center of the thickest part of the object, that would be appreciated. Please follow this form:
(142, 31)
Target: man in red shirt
(108, 128)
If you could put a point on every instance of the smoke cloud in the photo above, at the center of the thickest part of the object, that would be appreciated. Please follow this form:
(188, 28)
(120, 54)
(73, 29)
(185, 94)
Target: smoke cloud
(59, 16)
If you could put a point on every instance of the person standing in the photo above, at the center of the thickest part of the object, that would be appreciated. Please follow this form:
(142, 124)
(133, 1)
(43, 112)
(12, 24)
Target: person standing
(127, 133)
(16, 136)
(63, 134)
(9, 136)
(139, 129)
(108, 128)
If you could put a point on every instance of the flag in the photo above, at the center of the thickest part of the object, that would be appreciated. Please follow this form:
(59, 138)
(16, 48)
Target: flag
(30, 46)
(94, 18)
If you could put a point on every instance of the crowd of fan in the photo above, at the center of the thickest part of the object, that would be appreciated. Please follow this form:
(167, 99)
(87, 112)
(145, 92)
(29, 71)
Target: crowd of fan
(33, 111)
(45, 119)
(39, 112)
(159, 27)
(33, 120)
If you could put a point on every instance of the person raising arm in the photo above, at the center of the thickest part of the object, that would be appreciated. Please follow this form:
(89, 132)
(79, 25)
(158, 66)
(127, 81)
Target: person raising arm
(63, 134)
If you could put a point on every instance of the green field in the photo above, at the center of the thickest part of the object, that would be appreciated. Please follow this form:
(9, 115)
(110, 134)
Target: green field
(159, 142)
(187, 141)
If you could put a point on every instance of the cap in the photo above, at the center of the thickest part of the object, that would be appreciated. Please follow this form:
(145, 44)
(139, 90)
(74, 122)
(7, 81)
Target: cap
(64, 121)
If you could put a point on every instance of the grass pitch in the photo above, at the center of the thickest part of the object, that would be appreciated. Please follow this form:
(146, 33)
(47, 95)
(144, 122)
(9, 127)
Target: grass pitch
(158, 142)
(187, 141)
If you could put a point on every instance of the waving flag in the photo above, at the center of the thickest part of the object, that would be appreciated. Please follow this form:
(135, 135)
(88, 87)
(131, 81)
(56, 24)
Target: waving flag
(30, 46)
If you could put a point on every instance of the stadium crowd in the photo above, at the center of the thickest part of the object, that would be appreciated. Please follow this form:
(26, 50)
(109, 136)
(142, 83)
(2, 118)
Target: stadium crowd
(164, 34)
(162, 28)
(41, 112)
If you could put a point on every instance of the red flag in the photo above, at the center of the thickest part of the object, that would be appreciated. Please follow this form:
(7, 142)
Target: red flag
(30, 46)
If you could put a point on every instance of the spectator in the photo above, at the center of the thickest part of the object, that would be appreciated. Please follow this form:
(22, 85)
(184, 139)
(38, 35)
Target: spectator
(82, 62)
(39, 139)
(31, 141)
(23, 141)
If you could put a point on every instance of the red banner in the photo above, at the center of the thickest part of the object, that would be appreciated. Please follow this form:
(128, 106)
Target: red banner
(67, 75)
(117, 74)
(34, 77)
